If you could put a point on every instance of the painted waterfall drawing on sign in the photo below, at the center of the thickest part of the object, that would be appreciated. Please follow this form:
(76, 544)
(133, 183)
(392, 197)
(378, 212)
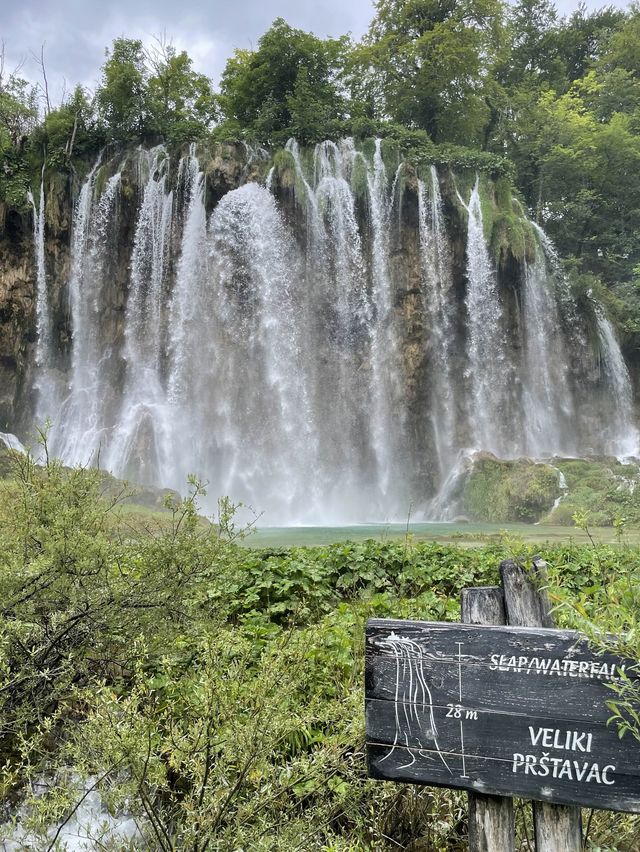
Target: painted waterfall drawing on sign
(413, 701)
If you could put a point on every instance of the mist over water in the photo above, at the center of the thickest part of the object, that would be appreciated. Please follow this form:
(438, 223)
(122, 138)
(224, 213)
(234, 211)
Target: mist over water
(326, 368)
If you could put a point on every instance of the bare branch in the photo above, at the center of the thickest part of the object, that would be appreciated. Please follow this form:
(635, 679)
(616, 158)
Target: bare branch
(44, 86)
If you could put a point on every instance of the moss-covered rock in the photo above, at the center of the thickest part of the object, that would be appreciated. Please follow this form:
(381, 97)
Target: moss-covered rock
(603, 488)
(500, 491)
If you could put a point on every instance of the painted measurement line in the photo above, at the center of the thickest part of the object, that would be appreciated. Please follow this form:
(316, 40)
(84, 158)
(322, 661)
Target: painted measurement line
(464, 765)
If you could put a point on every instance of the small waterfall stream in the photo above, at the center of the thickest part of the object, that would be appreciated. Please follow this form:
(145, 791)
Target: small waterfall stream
(136, 446)
(440, 307)
(270, 356)
(82, 422)
(546, 393)
(488, 367)
(621, 433)
(45, 350)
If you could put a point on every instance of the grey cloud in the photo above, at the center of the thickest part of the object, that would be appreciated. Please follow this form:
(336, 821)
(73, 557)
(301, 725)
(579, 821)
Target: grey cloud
(76, 33)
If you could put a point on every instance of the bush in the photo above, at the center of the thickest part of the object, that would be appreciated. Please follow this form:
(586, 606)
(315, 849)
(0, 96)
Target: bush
(213, 691)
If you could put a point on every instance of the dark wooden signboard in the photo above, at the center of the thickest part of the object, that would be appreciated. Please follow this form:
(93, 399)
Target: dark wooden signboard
(509, 711)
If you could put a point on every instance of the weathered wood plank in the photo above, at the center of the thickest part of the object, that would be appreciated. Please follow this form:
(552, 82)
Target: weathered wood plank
(439, 640)
(539, 673)
(491, 819)
(491, 823)
(520, 694)
(438, 726)
(557, 829)
(495, 777)
(483, 605)
(478, 694)
(526, 601)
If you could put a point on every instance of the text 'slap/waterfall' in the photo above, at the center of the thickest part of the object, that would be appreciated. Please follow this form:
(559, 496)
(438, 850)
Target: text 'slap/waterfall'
(497, 710)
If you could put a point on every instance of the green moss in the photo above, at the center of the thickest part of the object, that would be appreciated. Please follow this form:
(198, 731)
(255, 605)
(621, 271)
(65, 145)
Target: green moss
(487, 205)
(391, 156)
(359, 183)
(285, 169)
(503, 491)
(368, 148)
(101, 180)
(603, 488)
(509, 235)
(503, 196)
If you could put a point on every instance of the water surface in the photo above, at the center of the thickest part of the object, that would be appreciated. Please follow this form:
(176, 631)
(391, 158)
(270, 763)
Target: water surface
(453, 533)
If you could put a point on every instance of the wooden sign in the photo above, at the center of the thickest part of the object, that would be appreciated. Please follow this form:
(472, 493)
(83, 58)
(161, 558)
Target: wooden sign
(509, 711)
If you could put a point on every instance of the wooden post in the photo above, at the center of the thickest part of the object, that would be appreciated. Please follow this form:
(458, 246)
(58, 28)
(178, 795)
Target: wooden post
(491, 819)
(558, 828)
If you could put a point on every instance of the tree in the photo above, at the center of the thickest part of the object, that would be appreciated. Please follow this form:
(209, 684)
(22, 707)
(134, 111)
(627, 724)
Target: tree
(289, 84)
(181, 102)
(535, 59)
(122, 97)
(584, 38)
(434, 60)
(18, 107)
(71, 128)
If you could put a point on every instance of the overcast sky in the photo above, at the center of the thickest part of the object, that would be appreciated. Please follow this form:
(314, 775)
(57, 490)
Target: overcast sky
(76, 32)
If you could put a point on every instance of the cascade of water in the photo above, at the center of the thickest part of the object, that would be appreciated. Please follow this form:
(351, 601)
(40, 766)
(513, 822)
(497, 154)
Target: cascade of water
(282, 374)
(620, 432)
(386, 393)
(80, 426)
(446, 503)
(489, 371)
(566, 303)
(439, 308)
(135, 449)
(187, 305)
(546, 393)
(43, 313)
(191, 315)
(11, 442)
(44, 356)
(348, 268)
(237, 359)
(268, 184)
(337, 310)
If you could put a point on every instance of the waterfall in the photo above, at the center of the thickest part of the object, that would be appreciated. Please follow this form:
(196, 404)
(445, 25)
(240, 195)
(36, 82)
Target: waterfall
(45, 350)
(621, 433)
(318, 354)
(349, 275)
(439, 307)
(384, 344)
(82, 422)
(236, 386)
(546, 393)
(10, 442)
(136, 446)
(489, 372)
(43, 313)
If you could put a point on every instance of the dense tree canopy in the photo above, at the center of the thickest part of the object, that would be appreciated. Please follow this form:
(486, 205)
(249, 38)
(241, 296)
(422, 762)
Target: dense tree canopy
(289, 85)
(432, 63)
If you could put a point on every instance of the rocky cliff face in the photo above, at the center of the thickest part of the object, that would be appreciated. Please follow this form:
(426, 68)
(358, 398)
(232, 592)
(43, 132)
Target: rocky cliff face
(17, 309)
